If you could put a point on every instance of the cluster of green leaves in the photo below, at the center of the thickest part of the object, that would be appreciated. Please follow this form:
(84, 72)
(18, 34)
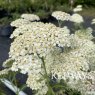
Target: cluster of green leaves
(15, 5)
(61, 88)
(30, 5)
(2, 86)
(12, 77)
(2, 92)
(41, 7)
(85, 2)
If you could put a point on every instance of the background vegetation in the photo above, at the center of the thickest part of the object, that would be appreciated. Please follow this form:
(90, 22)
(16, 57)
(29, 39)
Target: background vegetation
(11, 9)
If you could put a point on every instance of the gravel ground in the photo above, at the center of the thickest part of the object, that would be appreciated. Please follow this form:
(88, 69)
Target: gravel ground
(4, 49)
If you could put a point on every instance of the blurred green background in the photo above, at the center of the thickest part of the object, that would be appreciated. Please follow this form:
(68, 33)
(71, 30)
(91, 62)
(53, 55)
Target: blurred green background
(12, 9)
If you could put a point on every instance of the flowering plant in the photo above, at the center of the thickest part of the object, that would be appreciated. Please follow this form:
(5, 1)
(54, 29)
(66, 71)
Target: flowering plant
(52, 55)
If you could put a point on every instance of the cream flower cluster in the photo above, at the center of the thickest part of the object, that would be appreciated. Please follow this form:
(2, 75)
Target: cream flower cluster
(76, 18)
(78, 8)
(40, 40)
(36, 39)
(93, 21)
(5, 71)
(36, 83)
(25, 19)
(28, 64)
(20, 30)
(62, 16)
(59, 15)
(67, 56)
(30, 17)
(76, 65)
(86, 86)
(73, 62)
(85, 33)
(79, 61)
(19, 22)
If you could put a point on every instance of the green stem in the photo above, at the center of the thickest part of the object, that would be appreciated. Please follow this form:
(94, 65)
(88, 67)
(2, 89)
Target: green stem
(47, 78)
(60, 23)
(13, 81)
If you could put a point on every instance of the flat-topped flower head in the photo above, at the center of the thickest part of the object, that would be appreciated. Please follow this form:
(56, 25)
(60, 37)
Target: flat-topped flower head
(78, 8)
(27, 27)
(34, 84)
(93, 21)
(36, 39)
(20, 22)
(40, 39)
(59, 15)
(30, 17)
(85, 33)
(76, 18)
